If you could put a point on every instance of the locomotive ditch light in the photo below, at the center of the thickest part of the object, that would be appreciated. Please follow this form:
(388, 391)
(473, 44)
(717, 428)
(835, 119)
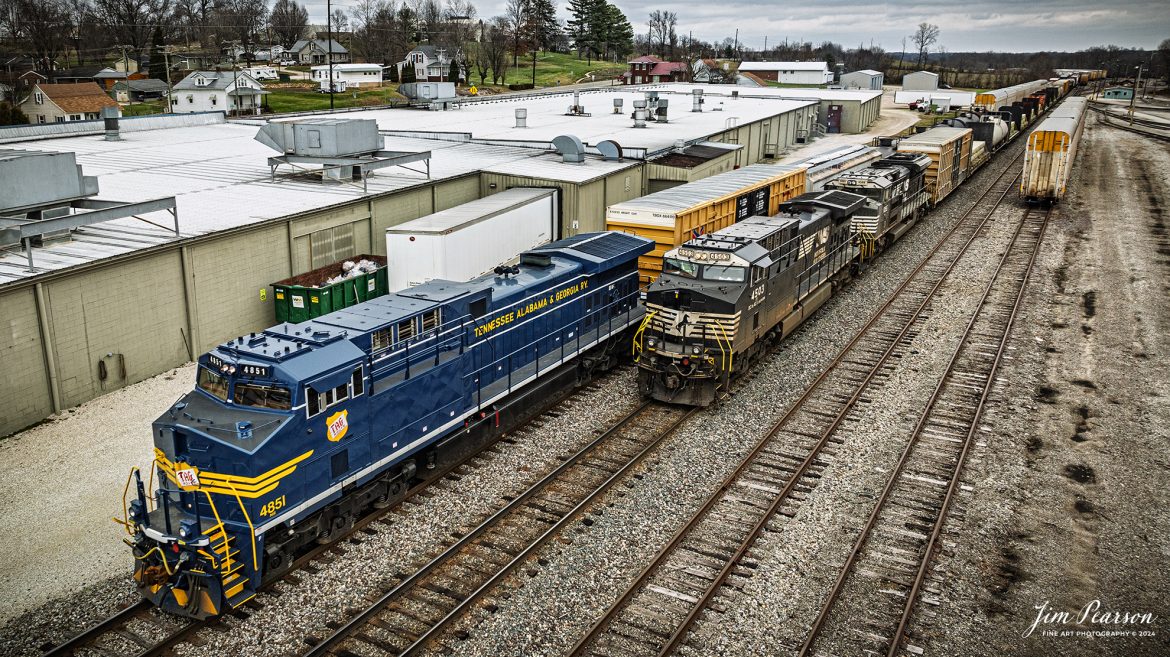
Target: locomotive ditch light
(696, 350)
(188, 529)
(136, 511)
(651, 343)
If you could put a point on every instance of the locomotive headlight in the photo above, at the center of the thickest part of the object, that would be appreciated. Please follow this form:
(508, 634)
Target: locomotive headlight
(696, 350)
(188, 530)
(232, 369)
(651, 343)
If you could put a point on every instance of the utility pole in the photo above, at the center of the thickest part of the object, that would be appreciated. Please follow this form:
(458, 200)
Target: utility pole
(765, 45)
(329, 46)
(1136, 83)
(166, 53)
(735, 48)
(126, 70)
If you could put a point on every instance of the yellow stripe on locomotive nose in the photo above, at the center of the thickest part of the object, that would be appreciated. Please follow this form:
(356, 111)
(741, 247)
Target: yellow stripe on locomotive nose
(250, 487)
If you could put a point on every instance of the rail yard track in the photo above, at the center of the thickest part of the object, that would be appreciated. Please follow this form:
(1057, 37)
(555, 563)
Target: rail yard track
(419, 608)
(889, 565)
(655, 613)
(139, 630)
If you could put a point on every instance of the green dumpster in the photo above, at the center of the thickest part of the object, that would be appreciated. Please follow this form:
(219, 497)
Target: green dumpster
(310, 295)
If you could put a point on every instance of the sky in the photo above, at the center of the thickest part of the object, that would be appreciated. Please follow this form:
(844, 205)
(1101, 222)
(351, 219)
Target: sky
(971, 25)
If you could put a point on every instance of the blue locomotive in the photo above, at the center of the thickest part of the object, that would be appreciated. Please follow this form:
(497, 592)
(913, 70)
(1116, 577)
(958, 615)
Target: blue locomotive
(292, 434)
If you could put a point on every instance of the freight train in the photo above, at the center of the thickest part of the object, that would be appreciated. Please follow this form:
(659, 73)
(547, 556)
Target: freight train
(291, 434)
(723, 298)
(1050, 152)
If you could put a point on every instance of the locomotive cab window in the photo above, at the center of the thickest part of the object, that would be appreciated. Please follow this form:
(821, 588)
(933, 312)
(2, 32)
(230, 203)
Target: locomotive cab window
(317, 401)
(724, 273)
(262, 396)
(680, 268)
(213, 383)
(478, 308)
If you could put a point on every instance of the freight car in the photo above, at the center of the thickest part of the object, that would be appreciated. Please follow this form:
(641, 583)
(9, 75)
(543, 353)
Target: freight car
(950, 152)
(723, 297)
(996, 98)
(291, 434)
(1050, 152)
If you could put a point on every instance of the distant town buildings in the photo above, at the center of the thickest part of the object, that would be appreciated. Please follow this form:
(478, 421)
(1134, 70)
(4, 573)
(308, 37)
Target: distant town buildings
(60, 103)
(217, 91)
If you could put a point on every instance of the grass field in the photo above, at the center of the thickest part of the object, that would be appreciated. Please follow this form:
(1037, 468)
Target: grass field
(553, 69)
(144, 108)
(306, 99)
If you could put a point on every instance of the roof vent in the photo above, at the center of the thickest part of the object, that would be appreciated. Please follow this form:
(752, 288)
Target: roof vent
(521, 117)
(110, 118)
(576, 109)
(660, 111)
(570, 148)
(610, 150)
(697, 100)
(617, 105)
(640, 114)
(735, 94)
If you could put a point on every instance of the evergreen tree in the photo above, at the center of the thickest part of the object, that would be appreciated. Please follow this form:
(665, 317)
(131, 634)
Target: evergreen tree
(158, 66)
(453, 72)
(586, 25)
(408, 74)
(392, 74)
(542, 20)
(618, 32)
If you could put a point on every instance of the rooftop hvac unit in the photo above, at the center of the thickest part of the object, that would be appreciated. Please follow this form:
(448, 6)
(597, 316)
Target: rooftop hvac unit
(110, 119)
(735, 94)
(697, 100)
(660, 111)
(570, 148)
(576, 109)
(610, 150)
(346, 149)
(640, 114)
(617, 105)
(521, 117)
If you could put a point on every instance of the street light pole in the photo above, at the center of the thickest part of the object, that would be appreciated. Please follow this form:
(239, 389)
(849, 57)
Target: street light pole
(1137, 82)
(329, 46)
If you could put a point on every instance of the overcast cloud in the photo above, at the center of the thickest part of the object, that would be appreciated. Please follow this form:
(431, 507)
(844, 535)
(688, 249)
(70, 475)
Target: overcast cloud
(979, 25)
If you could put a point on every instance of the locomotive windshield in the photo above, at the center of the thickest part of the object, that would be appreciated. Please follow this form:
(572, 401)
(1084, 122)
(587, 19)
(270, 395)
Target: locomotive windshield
(263, 396)
(680, 268)
(213, 383)
(723, 273)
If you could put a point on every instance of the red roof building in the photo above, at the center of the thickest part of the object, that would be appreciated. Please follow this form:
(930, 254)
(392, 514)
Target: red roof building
(649, 69)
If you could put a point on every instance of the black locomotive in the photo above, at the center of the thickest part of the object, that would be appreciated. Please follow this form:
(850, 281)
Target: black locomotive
(723, 296)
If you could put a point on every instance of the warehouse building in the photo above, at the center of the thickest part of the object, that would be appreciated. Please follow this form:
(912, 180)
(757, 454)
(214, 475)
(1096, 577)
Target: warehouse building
(838, 110)
(815, 73)
(91, 309)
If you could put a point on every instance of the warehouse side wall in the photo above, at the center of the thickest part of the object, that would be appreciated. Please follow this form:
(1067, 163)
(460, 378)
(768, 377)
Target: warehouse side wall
(25, 395)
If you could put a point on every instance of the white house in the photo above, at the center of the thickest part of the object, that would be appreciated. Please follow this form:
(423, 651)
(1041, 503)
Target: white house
(814, 73)
(316, 51)
(348, 75)
(430, 64)
(217, 91)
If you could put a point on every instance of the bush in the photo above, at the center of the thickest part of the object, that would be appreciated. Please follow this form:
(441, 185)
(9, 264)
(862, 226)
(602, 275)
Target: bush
(11, 115)
(408, 74)
(521, 86)
(392, 74)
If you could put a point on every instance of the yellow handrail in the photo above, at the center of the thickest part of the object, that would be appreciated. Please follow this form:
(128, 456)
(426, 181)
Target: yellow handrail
(636, 347)
(730, 351)
(227, 553)
(251, 529)
(150, 483)
(125, 508)
(166, 566)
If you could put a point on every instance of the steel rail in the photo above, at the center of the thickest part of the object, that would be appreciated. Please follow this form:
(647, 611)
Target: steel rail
(859, 544)
(644, 576)
(341, 634)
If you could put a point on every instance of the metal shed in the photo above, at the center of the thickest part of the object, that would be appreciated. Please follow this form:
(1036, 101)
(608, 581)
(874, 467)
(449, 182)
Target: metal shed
(864, 79)
(920, 81)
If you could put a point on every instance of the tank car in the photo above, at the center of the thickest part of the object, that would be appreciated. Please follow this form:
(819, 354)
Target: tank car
(293, 433)
(896, 197)
(1050, 152)
(722, 296)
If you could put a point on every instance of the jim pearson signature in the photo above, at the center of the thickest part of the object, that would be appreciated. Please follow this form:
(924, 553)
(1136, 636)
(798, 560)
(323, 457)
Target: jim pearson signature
(1089, 615)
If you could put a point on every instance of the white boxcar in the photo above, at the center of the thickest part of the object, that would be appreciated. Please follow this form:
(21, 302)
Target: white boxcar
(1052, 147)
(467, 240)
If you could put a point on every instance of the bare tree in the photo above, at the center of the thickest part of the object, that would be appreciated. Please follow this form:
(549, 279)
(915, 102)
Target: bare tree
(289, 21)
(340, 21)
(662, 26)
(243, 19)
(923, 39)
(498, 35)
(46, 25)
(196, 19)
(130, 22)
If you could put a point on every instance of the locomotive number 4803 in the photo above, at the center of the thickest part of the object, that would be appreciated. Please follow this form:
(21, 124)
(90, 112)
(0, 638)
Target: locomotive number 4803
(272, 507)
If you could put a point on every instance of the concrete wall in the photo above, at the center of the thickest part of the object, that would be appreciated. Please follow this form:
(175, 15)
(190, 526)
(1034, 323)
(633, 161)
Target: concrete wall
(24, 390)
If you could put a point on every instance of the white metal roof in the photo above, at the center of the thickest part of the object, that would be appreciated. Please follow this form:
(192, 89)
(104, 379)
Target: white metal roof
(494, 118)
(784, 66)
(220, 178)
(349, 67)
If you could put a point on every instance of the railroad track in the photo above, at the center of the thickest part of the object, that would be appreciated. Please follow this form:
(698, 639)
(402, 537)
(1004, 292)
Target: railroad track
(869, 606)
(418, 610)
(1122, 122)
(655, 613)
(130, 628)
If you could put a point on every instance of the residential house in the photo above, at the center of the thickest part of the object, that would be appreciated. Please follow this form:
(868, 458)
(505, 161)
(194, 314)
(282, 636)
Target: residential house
(430, 64)
(348, 75)
(810, 73)
(77, 74)
(709, 71)
(316, 51)
(217, 91)
(59, 103)
(193, 61)
(650, 69)
(140, 90)
(863, 79)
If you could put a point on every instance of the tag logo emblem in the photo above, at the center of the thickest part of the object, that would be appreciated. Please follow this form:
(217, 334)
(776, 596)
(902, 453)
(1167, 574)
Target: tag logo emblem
(188, 478)
(338, 424)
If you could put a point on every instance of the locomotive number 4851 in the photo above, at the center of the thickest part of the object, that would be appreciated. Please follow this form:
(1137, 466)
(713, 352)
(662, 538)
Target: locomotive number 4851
(272, 507)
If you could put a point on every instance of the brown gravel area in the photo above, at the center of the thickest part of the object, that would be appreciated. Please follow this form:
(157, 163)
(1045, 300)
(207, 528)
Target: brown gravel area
(1069, 502)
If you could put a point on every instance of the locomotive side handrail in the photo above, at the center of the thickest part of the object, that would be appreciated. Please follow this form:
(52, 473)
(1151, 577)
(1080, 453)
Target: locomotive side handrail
(125, 522)
(227, 552)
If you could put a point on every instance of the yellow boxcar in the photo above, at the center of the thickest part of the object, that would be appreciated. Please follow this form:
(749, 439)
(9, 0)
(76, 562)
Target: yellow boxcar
(673, 216)
(950, 153)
